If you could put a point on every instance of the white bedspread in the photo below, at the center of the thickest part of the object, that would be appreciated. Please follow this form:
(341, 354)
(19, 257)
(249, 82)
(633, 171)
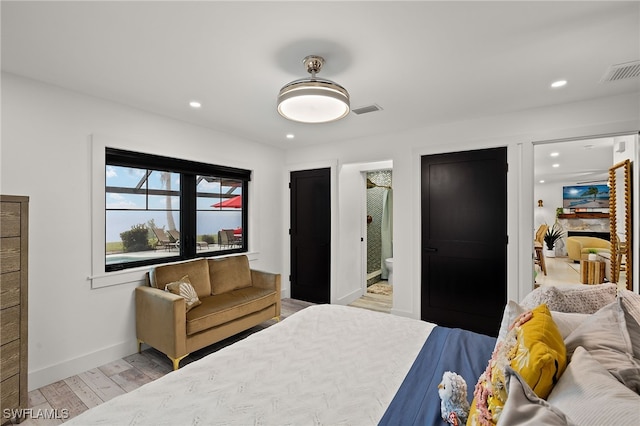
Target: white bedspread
(325, 365)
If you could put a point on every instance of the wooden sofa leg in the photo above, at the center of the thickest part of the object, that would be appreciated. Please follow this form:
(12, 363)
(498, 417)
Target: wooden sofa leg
(176, 361)
(140, 342)
(276, 319)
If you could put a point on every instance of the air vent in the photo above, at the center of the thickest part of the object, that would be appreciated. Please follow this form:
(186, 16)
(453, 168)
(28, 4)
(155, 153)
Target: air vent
(366, 109)
(622, 71)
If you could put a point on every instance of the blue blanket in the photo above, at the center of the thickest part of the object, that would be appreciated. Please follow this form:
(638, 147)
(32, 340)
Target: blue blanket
(446, 349)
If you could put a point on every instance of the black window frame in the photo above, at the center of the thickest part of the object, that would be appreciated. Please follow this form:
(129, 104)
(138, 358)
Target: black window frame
(189, 171)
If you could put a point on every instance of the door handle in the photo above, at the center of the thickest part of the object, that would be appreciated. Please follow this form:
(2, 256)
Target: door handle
(430, 249)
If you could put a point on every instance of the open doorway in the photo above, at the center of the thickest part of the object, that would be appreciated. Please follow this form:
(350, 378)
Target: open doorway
(571, 197)
(379, 228)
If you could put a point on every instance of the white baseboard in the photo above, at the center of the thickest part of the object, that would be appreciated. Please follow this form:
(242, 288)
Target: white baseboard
(345, 300)
(47, 375)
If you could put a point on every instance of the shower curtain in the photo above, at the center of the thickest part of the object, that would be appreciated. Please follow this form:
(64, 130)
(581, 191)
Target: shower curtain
(386, 231)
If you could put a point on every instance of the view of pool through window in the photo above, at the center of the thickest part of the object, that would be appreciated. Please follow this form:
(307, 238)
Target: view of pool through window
(145, 212)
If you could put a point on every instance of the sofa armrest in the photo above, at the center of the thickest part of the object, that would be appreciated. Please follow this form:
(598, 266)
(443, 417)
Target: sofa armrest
(161, 320)
(265, 280)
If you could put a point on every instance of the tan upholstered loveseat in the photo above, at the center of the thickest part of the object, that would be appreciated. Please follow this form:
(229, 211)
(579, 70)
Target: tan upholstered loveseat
(233, 298)
(577, 246)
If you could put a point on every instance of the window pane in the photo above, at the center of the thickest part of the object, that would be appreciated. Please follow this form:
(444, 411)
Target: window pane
(140, 205)
(130, 236)
(164, 190)
(219, 213)
(125, 188)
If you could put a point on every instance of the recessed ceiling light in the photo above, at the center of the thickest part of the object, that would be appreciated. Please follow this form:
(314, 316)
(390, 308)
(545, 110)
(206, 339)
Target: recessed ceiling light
(555, 165)
(195, 104)
(554, 154)
(588, 146)
(542, 181)
(559, 83)
(290, 136)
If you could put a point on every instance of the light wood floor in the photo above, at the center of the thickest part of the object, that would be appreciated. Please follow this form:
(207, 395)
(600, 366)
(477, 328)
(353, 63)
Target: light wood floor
(560, 271)
(374, 302)
(83, 391)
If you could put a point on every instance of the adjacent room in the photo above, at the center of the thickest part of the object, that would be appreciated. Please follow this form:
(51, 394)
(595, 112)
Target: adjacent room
(266, 212)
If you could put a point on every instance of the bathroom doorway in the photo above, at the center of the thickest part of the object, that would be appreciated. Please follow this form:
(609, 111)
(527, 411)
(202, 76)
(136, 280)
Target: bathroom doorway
(379, 229)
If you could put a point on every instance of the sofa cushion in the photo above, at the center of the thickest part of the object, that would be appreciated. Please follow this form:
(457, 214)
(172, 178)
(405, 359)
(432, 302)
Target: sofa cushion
(222, 308)
(198, 271)
(229, 273)
(185, 289)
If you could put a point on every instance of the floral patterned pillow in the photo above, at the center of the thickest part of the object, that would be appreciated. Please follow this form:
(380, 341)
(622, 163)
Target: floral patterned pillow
(533, 348)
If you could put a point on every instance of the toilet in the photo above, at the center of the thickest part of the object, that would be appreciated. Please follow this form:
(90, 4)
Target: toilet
(389, 264)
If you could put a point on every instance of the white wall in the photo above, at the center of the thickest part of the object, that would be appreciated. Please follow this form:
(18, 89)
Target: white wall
(551, 195)
(516, 131)
(46, 154)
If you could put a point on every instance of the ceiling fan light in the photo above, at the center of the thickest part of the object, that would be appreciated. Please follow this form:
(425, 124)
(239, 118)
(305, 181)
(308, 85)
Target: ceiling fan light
(313, 100)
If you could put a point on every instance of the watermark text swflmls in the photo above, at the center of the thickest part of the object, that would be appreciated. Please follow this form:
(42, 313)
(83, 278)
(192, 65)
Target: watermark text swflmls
(36, 413)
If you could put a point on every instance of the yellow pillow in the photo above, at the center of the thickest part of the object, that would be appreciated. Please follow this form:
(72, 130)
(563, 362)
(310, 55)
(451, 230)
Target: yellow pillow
(534, 348)
(540, 356)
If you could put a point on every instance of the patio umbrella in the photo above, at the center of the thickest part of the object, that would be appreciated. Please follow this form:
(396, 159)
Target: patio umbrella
(233, 202)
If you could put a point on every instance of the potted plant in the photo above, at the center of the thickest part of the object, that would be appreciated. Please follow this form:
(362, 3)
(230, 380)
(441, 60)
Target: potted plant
(592, 254)
(554, 233)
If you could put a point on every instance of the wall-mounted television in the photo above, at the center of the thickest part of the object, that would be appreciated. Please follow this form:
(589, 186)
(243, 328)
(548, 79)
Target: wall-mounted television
(585, 197)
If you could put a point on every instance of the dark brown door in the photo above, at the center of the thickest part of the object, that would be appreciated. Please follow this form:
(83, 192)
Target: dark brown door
(311, 235)
(464, 239)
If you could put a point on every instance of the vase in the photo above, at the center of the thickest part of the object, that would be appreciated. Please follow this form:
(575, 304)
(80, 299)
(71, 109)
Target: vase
(549, 253)
(592, 256)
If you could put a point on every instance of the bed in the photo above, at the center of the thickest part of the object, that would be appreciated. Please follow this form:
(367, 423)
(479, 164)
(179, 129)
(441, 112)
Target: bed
(326, 364)
(338, 365)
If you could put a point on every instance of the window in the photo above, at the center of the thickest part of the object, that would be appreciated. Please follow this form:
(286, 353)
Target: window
(160, 209)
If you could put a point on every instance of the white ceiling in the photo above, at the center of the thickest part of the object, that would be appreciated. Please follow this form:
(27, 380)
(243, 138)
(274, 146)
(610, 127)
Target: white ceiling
(580, 162)
(423, 62)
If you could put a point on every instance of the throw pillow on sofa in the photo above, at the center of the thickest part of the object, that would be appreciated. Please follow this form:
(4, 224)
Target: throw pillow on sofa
(534, 349)
(630, 303)
(579, 298)
(525, 408)
(588, 394)
(604, 335)
(184, 288)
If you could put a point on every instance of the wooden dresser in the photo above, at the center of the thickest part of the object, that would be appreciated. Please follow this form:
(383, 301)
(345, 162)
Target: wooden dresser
(14, 220)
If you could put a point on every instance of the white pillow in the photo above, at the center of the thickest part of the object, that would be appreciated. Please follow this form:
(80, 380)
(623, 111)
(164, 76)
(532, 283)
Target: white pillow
(588, 394)
(511, 311)
(568, 321)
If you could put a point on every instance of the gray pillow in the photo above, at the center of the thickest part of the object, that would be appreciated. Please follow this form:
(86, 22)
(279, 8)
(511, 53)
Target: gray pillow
(588, 394)
(630, 303)
(524, 407)
(580, 298)
(604, 335)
